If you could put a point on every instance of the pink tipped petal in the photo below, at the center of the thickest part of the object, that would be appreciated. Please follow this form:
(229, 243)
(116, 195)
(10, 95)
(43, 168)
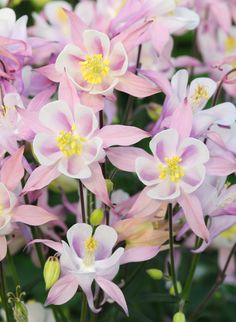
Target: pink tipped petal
(96, 42)
(45, 149)
(12, 170)
(147, 171)
(74, 167)
(109, 267)
(97, 184)
(159, 79)
(32, 215)
(182, 119)
(118, 60)
(165, 190)
(41, 99)
(220, 166)
(194, 216)
(41, 177)
(193, 152)
(193, 178)
(3, 247)
(85, 281)
(159, 35)
(136, 86)
(179, 83)
(63, 290)
(49, 243)
(67, 91)
(165, 144)
(106, 238)
(121, 135)
(124, 158)
(50, 72)
(76, 24)
(113, 291)
(77, 235)
(85, 120)
(139, 254)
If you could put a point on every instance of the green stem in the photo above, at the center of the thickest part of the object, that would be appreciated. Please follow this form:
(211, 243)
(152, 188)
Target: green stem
(3, 294)
(37, 246)
(81, 194)
(171, 243)
(11, 262)
(83, 316)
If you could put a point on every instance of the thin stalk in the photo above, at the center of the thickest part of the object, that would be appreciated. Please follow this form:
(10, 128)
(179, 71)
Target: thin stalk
(171, 243)
(219, 280)
(3, 294)
(81, 194)
(83, 317)
(37, 247)
(11, 262)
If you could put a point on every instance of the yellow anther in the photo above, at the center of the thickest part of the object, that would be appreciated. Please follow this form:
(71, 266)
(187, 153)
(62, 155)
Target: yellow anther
(94, 69)
(230, 44)
(171, 170)
(61, 15)
(90, 247)
(229, 233)
(200, 94)
(70, 143)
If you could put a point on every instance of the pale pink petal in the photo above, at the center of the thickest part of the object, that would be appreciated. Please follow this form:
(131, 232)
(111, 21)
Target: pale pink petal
(85, 283)
(159, 35)
(5, 198)
(68, 59)
(96, 42)
(93, 151)
(136, 86)
(160, 79)
(220, 166)
(77, 235)
(41, 177)
(12, 170)
(113, 291)
(57, 113)
(147, 171)
(182, 119)
(165, 190)
(121, 135)
(194, 216)
(67, 91)
(74, 167)
(49, 243)
(76, 24)
(46, 150)
(118, 60)
(139, 254)
(193, 178)
(86, 121)
(192, 152)
(32, 215)
(109, 267)
(221, 11)
(165, 144)
(106, 237)
(179, 83)
(42, 98)
(97, 184)
(50, 72)
(63, 290)
(3, 247)
(124, 158)
(95, 102)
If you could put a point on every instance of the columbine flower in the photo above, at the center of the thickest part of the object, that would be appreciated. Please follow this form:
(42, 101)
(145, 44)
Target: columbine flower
(176, 166)
(86, 258)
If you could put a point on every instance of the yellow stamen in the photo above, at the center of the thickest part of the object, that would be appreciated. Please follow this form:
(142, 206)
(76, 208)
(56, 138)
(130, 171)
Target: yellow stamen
(1, 209)
(90, 247)
(230, 44)
(70, 143)
(120, 6)
(61, 15)
(200, 94)
(94, 69)
(229, 233)
(172, 170)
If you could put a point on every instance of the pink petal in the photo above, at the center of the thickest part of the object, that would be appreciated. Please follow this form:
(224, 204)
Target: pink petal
(147, 171)
(42, 98)
(159, 79)
(85, 281)
(63, 290)
(165, 190)
(45, 149)
(96, 42)
(118, 60)
(193, 152)
(96, 102)
(50, 72)
(77, 235)
(113, 291)
(139, 254)
(41, 177)
(159, 36)
(3, 248)
(49, 243)
(67, 91)
(32, 215)
(124, 158)
(76, 24)
(74, 167)
(97, 184)
(194, 216)
(121, 135)
(182, 119)
(106, 237)
(220, 166)
(85, 120)
(12, 170)
(136, 86)
(179, 83)
(193, 178)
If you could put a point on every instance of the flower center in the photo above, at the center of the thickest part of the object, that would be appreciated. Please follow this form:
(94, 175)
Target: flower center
(70, 143)
(229, 233)
(94, 69)
(200, 94)
(61, 15)
(172, 169)
(90, 245)
(230, 44)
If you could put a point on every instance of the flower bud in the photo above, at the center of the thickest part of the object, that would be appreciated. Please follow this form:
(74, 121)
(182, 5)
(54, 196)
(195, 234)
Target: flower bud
(179, 317)
(109, 185)
(20, 312)
(154, 111)
(96, 217)
(172, 289)
(154, 273)
(51, 271)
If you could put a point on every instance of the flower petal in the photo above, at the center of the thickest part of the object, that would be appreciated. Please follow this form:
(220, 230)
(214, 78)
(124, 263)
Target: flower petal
(106, 237)
(147, 171)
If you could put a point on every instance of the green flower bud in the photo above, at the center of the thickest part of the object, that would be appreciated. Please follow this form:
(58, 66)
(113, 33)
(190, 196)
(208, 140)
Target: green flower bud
(110, 185)
(179, 288)
(179, 317)
(154, 111)
(20, 312)
(154, 273)
(68, 184)
(96, 217)
(51, 271)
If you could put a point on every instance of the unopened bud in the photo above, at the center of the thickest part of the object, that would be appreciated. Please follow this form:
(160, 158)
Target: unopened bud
(96, 217)
(110, 185)
(20, 312)
(51, 271)
(172, 289)
(154, 273)
(179, 317)
(154, 111)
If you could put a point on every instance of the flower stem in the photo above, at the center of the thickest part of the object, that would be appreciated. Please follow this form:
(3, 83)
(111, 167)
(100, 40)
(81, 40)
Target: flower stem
(171, 243)
(219, 280)
(83, 316)
(81, 194)
(3, 294)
